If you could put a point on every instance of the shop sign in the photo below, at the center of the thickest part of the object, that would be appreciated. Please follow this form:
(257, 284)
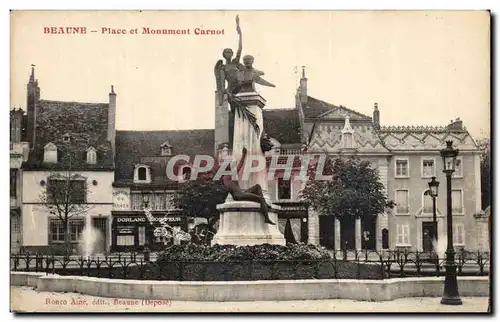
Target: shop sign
(144, 220)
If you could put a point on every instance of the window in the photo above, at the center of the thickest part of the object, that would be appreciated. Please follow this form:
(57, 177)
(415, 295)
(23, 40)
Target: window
(347, 140)
(456, 202)
(91, 156)
(166, 149)
(57, 189)
(458, 234)
(284, 189)
(402, 202)
(458, 168)
(428, 168)
(186, 173)
(50, 153)
(13, 182)
(142, 173)
(427, 202)
(403, 234)
(402, 168)
(57, 230)
(158, 201)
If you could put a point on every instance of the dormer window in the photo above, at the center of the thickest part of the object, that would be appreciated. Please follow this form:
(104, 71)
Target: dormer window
(142, 174)
(347, 135)
(50, 153)
(91, 155)
(66, 137)
(166, 149)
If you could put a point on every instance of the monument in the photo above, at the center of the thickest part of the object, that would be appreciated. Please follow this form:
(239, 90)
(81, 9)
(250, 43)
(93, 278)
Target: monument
(247, 217)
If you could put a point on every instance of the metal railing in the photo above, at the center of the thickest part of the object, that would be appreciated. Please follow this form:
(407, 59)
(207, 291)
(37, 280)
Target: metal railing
(344, 264)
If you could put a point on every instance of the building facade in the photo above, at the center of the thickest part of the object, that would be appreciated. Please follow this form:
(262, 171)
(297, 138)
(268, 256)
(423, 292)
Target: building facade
(122, 171)
(19, 150)
(72, 152)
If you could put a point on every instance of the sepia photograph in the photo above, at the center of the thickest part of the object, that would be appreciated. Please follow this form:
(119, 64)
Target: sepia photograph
(250, 161)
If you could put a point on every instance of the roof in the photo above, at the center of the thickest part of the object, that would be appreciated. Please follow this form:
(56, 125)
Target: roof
(282, 125)
(144, 147)
(86, 124)
(316, 108)
(427, 137)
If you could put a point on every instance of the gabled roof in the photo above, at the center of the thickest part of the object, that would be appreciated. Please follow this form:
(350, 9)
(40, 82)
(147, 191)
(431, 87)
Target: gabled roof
(87, 125)
(144, 147)
(282, 125)
(316, 108)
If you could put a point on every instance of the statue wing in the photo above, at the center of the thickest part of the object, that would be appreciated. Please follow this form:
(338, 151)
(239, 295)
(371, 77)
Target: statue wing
(220, 78)
(261, 81)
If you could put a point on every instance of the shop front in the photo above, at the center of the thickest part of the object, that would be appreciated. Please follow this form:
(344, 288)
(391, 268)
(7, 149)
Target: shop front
(133, 231)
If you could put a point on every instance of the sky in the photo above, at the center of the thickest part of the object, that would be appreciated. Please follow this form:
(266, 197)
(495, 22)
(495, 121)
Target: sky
(422, 68)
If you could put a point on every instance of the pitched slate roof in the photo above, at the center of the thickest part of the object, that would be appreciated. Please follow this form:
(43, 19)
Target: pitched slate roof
(144, 147)
(85, 123)
(282, 125)
(320, 109)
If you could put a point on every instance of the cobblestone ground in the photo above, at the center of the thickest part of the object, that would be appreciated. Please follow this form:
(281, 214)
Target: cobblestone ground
(24, 299)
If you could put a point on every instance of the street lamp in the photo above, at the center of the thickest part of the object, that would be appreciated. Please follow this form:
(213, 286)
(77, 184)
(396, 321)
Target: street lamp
(450, 294)
(433, 192)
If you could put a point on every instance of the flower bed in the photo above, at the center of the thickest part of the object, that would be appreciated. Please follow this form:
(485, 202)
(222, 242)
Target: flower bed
(235, 263)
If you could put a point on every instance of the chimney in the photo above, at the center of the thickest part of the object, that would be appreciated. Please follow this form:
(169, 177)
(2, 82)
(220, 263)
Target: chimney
(112, 118)
(303, 87)
(456, 125)
(33, 96)
(376, 116)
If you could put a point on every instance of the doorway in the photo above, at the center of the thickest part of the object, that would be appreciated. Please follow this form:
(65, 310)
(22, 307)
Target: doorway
(347, 233)
(327, 231)
(428, 232)
(368, 236)
(101, 224)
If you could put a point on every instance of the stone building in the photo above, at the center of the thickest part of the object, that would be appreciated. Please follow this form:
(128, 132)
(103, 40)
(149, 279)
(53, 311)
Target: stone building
(405, 156)
(19, 150)
(123, 170)
(67, 140)
(141, 177)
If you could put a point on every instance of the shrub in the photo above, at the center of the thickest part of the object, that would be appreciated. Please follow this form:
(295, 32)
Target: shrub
(226, 253)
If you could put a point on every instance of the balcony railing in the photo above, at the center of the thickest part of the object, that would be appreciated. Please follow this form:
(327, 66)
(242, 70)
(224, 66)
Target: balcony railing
(290, 151)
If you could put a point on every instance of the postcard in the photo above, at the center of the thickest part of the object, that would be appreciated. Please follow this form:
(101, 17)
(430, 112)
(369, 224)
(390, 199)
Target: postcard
(250, 161)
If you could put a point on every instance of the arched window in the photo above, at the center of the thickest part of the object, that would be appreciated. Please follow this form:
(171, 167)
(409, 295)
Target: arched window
(50, 153)
(186, 173)
(142, 173)
(385, 238)
(91, 156)
(427, 202)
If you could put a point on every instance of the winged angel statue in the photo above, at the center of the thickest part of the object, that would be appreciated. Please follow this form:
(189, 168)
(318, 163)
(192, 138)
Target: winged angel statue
(239, 77)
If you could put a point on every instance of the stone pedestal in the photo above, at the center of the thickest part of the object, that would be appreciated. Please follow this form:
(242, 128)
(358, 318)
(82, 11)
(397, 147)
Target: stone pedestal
(242, 223)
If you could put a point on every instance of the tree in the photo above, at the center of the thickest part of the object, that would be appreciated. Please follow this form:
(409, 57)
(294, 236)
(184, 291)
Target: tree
(485, 146)
(199, 198)
(65, 196)
(354, 189)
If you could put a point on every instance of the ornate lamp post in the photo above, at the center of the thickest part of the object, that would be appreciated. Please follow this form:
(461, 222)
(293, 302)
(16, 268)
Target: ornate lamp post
(433, 192)
(450, 294)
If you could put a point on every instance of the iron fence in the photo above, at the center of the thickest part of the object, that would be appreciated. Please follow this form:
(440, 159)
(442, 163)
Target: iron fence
(343, 264)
